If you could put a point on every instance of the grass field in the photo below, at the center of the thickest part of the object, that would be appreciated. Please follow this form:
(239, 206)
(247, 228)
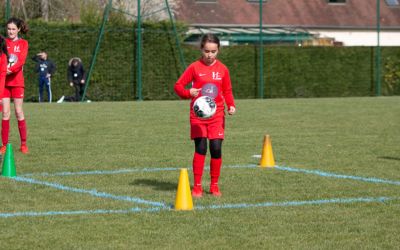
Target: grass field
(104, 176)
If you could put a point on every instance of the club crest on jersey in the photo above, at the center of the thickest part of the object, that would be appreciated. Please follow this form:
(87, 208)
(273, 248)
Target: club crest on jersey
(216, 76)
(16, 48)
(210, 90)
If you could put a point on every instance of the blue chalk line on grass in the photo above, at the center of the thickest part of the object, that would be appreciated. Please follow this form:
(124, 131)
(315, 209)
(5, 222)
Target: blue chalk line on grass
(338, 176)
(78, 212)
(158, 206)
(101, 172)
(283, 168)
(224, 206)
(120, 171)
(92, 192)
(300, 203)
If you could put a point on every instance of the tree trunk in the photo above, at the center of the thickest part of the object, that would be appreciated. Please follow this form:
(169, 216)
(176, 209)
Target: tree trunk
(45, 9)
(24, 9)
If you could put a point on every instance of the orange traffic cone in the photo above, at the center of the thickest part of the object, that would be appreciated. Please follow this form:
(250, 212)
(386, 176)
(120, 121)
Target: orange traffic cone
(267, 157)
(183, 195)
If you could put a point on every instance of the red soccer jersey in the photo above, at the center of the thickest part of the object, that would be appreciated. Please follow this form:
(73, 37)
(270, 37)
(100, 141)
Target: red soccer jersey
(214, 81)
(3, 73)
(17, 51)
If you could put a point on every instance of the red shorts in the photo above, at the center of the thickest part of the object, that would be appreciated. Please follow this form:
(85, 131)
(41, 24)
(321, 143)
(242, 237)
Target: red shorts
(13, 92)
(212, 130)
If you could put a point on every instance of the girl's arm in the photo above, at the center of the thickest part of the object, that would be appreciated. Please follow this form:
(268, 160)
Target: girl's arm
(183, 81)
(227, 90)
(3, 73)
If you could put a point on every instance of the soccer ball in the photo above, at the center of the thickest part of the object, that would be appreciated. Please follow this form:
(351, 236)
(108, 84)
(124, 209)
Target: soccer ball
(13, 59)
(204, 107)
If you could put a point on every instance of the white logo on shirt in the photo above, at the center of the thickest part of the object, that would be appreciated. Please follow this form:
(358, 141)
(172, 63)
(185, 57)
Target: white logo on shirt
(202, 74)
(216, 75)
(16, 48)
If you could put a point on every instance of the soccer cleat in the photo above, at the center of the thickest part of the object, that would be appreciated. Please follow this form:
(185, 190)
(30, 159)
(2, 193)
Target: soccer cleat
(3, 149)
(197, 191)
(214, 190)
(24, 149)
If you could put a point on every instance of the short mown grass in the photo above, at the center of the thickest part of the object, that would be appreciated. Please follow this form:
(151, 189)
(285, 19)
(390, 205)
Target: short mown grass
(83, 146)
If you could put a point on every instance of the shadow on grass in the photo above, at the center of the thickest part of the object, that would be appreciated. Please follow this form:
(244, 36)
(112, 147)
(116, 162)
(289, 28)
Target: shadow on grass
(156, 184)
(389, 158)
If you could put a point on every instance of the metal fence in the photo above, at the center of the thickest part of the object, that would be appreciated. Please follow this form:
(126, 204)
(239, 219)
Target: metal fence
(280, 61)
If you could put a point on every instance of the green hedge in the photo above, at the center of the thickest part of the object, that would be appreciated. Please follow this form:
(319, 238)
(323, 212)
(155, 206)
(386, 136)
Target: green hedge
(288, 71)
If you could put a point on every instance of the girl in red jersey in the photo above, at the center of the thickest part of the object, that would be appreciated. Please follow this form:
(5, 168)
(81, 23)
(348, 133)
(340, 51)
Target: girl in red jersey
(14, 85)
(3, 67)
(208, 77)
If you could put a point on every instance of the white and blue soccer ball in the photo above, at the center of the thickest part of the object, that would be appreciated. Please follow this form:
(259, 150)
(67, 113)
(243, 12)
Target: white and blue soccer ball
(204, 107)
(13, 59)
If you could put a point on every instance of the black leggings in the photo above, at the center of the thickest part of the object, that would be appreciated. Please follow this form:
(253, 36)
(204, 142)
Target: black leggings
(215, 147)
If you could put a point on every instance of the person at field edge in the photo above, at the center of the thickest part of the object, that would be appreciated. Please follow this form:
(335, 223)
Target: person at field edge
(76, 77)
(14, 84)
(45, 68)
(3, 68)
(208, 77)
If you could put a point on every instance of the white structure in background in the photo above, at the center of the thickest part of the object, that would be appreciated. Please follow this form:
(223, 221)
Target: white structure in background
(360, 38)
(329, 22)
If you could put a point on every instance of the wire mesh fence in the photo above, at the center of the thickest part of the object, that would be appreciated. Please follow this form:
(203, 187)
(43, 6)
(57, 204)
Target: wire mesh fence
(295, 61)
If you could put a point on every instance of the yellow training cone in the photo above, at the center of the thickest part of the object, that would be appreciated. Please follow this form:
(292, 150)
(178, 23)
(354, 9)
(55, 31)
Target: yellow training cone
(267, 157)
(183, 195)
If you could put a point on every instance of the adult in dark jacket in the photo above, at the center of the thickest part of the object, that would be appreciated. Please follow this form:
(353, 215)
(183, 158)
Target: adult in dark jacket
(45, 68)
(76, 77)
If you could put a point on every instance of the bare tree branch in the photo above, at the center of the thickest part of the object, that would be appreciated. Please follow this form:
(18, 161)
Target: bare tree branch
(62, 10)
(24, 9)
(45, 9)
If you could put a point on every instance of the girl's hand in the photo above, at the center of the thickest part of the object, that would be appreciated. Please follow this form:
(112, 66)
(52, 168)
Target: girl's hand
(231, 110)
(194, 92)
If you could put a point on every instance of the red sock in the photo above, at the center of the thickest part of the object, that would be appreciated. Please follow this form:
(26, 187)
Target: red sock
(198, 167)
(5, 128)
(22, 131)
(215, 170)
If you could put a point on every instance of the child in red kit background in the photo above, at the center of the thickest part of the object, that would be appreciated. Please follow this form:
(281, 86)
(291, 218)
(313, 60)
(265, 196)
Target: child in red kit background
(209, 77)
(14, 83)
(3, 68)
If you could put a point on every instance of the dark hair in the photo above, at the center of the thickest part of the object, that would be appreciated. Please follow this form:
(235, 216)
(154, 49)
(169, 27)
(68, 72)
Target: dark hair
(209, 38)
(19, 23)
(3, 46)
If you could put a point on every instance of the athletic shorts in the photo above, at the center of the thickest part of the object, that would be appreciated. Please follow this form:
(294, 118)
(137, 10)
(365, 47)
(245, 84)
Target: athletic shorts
(213, 130)
(13, 92)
